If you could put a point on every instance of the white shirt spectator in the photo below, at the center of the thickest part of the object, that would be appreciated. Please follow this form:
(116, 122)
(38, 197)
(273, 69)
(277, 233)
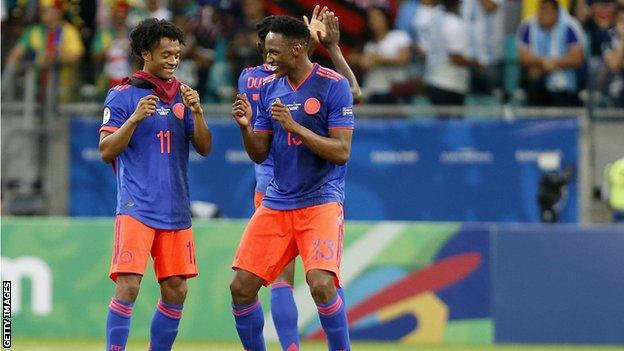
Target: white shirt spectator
(422, 25)
(380, 78)
(448, 36)
(485, 31)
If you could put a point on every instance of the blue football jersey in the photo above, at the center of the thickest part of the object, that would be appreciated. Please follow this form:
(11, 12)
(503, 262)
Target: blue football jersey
(321, 102)
(151, 173)
(249, 82)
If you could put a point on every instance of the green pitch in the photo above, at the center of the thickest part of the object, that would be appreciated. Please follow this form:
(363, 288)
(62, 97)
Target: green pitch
(85, 345)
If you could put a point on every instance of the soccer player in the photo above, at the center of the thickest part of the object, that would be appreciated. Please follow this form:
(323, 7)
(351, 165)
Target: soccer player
(305, 120)
(324, 28)
(148, 122)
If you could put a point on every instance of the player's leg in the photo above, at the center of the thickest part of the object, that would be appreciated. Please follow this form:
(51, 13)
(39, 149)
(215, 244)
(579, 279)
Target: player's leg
(284, 309)
(130, 255)
(247, 309)
(174, 262)
(320, 247)
(264, 250)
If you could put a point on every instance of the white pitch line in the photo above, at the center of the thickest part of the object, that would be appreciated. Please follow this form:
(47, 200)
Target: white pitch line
(355, 259)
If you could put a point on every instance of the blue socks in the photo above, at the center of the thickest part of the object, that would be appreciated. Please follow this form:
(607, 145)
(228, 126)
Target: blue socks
(334, 321)
(118, 324)
(249, 325)
(284, 313)
(164, 326)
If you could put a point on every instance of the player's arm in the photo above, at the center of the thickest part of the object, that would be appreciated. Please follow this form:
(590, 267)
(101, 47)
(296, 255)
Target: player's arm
(202, 137)
(257, 144)
(112, 144)
(330, 40)
(336, 148)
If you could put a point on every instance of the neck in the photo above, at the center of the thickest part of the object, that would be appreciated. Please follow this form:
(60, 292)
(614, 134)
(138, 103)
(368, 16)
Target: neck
(303, 70)
(151, 74)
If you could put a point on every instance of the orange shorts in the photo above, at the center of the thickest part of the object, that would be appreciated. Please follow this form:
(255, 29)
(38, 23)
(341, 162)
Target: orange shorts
(258, 196)
(173, 251)
(273, 238)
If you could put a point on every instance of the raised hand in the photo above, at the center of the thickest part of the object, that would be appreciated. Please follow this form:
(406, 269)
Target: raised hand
(146, 107)
(315, 23)
(241, 110)
(191, 98)
(331, 36)
(281, 113)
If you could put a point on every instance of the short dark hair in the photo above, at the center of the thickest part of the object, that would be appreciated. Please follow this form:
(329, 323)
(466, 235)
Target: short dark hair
(147, 34)
(263, 27)
(554, 3)
(290, 28)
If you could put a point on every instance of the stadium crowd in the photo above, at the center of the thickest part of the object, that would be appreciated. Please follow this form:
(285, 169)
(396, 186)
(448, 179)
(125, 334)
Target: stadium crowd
(536, 52)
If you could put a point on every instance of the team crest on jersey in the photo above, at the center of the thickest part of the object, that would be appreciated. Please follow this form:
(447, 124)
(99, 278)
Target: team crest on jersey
(178, 110)
(347, 111)
(106, 115)
(163, 111)
(312, 106)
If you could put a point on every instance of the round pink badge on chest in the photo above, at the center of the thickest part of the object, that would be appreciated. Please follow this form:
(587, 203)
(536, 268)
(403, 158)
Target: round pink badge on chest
(312, 106)
(178, 110)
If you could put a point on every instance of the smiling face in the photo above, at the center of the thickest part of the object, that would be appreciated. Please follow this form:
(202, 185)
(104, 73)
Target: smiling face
(281, 53)
(162, 60)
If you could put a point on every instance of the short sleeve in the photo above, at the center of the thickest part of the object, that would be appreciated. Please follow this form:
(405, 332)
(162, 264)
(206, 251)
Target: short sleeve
(455, 36)
(401, 38)
(241, 82)
(523, 34)
(115, 112)
(263, 122)
(572, 37)
(340, 106)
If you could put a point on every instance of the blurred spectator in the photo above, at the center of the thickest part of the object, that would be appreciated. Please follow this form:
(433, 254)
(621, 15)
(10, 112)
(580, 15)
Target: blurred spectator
(613, 54)
(242, 49)
(550, 51)
(212, 29)
(421, 23)
(596, 16)
(385, 57)
(111, 48)
(405, 15)
(147, 9)
(447, 63)
(56, 47)
(530, 7)
(196, 59)
(484, 21)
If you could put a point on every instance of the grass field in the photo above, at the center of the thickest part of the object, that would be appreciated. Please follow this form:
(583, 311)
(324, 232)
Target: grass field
(87, 345)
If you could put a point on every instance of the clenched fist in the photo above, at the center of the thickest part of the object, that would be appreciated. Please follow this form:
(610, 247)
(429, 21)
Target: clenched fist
(146, 107)
(191, 98)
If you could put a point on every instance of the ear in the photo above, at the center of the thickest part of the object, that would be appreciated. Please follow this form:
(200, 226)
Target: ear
(260, 48)
(146, 55)
(297, 48)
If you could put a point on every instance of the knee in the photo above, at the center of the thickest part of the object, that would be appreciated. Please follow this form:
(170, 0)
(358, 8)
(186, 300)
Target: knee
(321, 286)
(174, 290)
(243, 290)
(128, 288)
